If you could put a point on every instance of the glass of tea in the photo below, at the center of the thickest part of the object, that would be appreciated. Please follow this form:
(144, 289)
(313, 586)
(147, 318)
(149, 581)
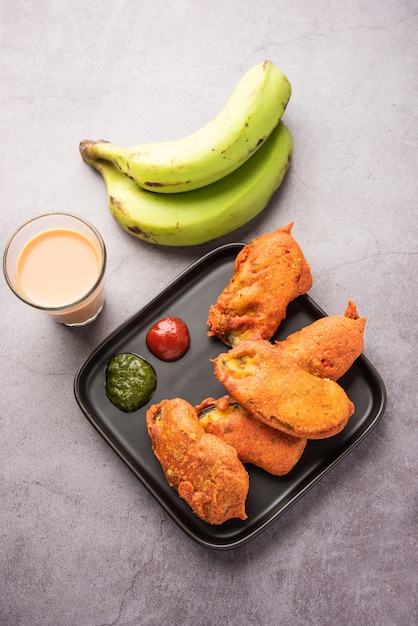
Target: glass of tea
(56, 263)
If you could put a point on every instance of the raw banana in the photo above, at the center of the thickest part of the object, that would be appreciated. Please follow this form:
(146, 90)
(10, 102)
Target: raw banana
(195, 217)
(215, 150)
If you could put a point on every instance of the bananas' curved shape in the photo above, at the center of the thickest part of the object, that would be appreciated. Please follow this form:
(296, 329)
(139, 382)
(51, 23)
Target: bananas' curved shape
(215, 150)
(195, 217)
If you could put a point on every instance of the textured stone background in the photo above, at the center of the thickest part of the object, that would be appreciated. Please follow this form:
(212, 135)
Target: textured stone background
(82, 542)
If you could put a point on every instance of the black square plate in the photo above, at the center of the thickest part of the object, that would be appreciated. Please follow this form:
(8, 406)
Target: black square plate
(189, 297)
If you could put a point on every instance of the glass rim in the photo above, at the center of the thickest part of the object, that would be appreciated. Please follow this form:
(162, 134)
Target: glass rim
(91, 291)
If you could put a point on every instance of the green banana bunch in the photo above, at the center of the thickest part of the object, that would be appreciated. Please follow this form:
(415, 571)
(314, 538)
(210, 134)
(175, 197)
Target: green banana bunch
(215, 150)
(195, 217)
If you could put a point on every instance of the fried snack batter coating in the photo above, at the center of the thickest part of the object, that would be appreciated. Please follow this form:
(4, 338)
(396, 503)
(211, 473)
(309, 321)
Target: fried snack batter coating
(329, 346)
(279, 393)
(269, 272)
(205, 471)
(274, 451)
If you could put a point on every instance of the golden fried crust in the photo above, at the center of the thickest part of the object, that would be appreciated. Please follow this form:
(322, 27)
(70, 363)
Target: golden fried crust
(279, 393)
(268, 274)
(329, 346)
(205, 471)
(256, 443)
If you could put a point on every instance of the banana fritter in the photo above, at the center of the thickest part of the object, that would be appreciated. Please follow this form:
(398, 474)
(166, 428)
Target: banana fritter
(269, 272)
(329, 346)
(279, 393)
(205, 471)
(256, 443)
(267, 378)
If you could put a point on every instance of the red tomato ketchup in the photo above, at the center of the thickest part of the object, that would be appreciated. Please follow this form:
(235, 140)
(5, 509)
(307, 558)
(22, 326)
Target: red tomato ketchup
(168, 339)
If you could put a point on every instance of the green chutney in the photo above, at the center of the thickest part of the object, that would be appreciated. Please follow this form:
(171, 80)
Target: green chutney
(130, 381)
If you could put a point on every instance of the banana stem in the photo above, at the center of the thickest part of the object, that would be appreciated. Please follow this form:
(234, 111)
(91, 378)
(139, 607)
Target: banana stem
(87, 149)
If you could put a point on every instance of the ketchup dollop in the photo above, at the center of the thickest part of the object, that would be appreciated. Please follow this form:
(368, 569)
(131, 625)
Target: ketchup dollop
(168, 339)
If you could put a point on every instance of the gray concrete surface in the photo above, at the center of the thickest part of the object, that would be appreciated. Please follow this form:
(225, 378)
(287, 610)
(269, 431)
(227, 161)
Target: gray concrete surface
(82, 541)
